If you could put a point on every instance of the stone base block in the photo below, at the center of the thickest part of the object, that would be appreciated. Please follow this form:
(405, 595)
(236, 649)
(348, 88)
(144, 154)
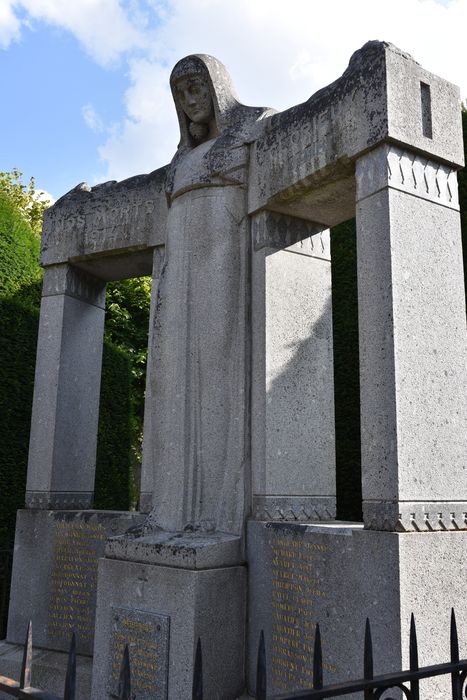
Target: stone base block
(48, 670)
(54, 575)
(161, 612)
(184, 550)
(337, 575)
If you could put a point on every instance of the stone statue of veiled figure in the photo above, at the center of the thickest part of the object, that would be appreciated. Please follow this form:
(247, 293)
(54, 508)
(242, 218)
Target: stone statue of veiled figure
(200, 353)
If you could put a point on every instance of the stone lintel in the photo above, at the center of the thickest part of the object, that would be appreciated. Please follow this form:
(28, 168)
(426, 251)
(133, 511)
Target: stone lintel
(417, 516)
(114, 217)
(59, 500)
(182, 550)
(280, 231)
(303, 162)
(294, 508)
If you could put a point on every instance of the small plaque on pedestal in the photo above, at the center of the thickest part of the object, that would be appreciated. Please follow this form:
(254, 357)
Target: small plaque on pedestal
(147, 636)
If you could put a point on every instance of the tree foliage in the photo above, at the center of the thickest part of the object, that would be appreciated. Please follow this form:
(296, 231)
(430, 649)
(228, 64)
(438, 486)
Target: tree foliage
(126, 327)
(25, 198)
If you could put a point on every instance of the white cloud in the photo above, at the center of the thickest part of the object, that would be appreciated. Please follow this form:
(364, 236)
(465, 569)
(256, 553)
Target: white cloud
(9, 24)
(279, 53)
(148, 137)
(103, 27)
(44, 196)
(92, 119)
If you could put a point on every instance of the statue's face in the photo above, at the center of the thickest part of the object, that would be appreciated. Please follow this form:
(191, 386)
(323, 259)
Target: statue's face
(195, 99)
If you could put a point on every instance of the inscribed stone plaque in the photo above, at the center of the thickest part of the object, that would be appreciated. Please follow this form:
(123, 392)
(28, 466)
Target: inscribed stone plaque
(147, 636)
(298, 587)
(295, 582)
(62, 549)
(76, 547)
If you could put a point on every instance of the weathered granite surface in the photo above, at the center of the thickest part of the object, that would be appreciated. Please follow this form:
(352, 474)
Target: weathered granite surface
(304, 162)
(185, 550)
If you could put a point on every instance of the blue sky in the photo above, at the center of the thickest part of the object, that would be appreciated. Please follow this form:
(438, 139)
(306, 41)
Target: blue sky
(85, 84)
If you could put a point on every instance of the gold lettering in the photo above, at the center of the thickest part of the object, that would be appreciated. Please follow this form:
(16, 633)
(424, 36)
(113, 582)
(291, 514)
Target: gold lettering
(296, 589)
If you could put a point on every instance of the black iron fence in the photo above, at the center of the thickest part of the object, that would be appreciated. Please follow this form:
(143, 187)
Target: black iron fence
(23, 687)
(373, 687)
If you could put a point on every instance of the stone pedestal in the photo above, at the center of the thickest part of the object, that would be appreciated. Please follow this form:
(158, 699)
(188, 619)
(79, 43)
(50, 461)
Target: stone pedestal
(54, 584)
(337, 575)
(163, 594)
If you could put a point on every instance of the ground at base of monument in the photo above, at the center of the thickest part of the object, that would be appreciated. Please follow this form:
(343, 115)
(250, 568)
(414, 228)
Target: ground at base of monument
(48, 669)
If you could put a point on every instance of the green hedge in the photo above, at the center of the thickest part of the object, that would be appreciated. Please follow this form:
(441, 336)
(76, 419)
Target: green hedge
(346, 371)
(114, 486)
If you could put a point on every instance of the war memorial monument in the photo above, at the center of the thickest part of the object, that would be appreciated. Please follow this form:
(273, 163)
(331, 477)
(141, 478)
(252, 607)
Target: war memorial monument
(237, 529)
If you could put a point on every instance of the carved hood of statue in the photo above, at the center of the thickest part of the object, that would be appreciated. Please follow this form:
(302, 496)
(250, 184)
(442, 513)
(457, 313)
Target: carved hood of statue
(199, 383)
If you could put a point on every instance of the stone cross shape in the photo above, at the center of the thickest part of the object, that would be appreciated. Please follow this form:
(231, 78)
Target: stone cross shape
(381, 143)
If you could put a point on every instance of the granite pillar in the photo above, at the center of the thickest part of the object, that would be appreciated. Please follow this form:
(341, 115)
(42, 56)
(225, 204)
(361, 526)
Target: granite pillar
(293, 440)
(62, 449)
(147, 466)
(412, 343)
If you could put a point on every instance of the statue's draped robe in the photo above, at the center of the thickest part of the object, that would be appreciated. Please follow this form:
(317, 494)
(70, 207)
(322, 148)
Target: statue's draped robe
(200, 346)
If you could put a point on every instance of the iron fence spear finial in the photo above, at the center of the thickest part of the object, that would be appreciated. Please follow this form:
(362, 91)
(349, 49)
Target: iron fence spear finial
(197, 690)
(456, 683)
(413, 658)
(368, 658)
(261, 677)
(25, 678)
(70, 679)
(317, 661)
(124, 680)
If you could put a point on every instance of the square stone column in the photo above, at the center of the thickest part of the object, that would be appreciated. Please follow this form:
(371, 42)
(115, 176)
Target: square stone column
(147, 465)
(62, 449)
(292, 433)
(412, 343)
